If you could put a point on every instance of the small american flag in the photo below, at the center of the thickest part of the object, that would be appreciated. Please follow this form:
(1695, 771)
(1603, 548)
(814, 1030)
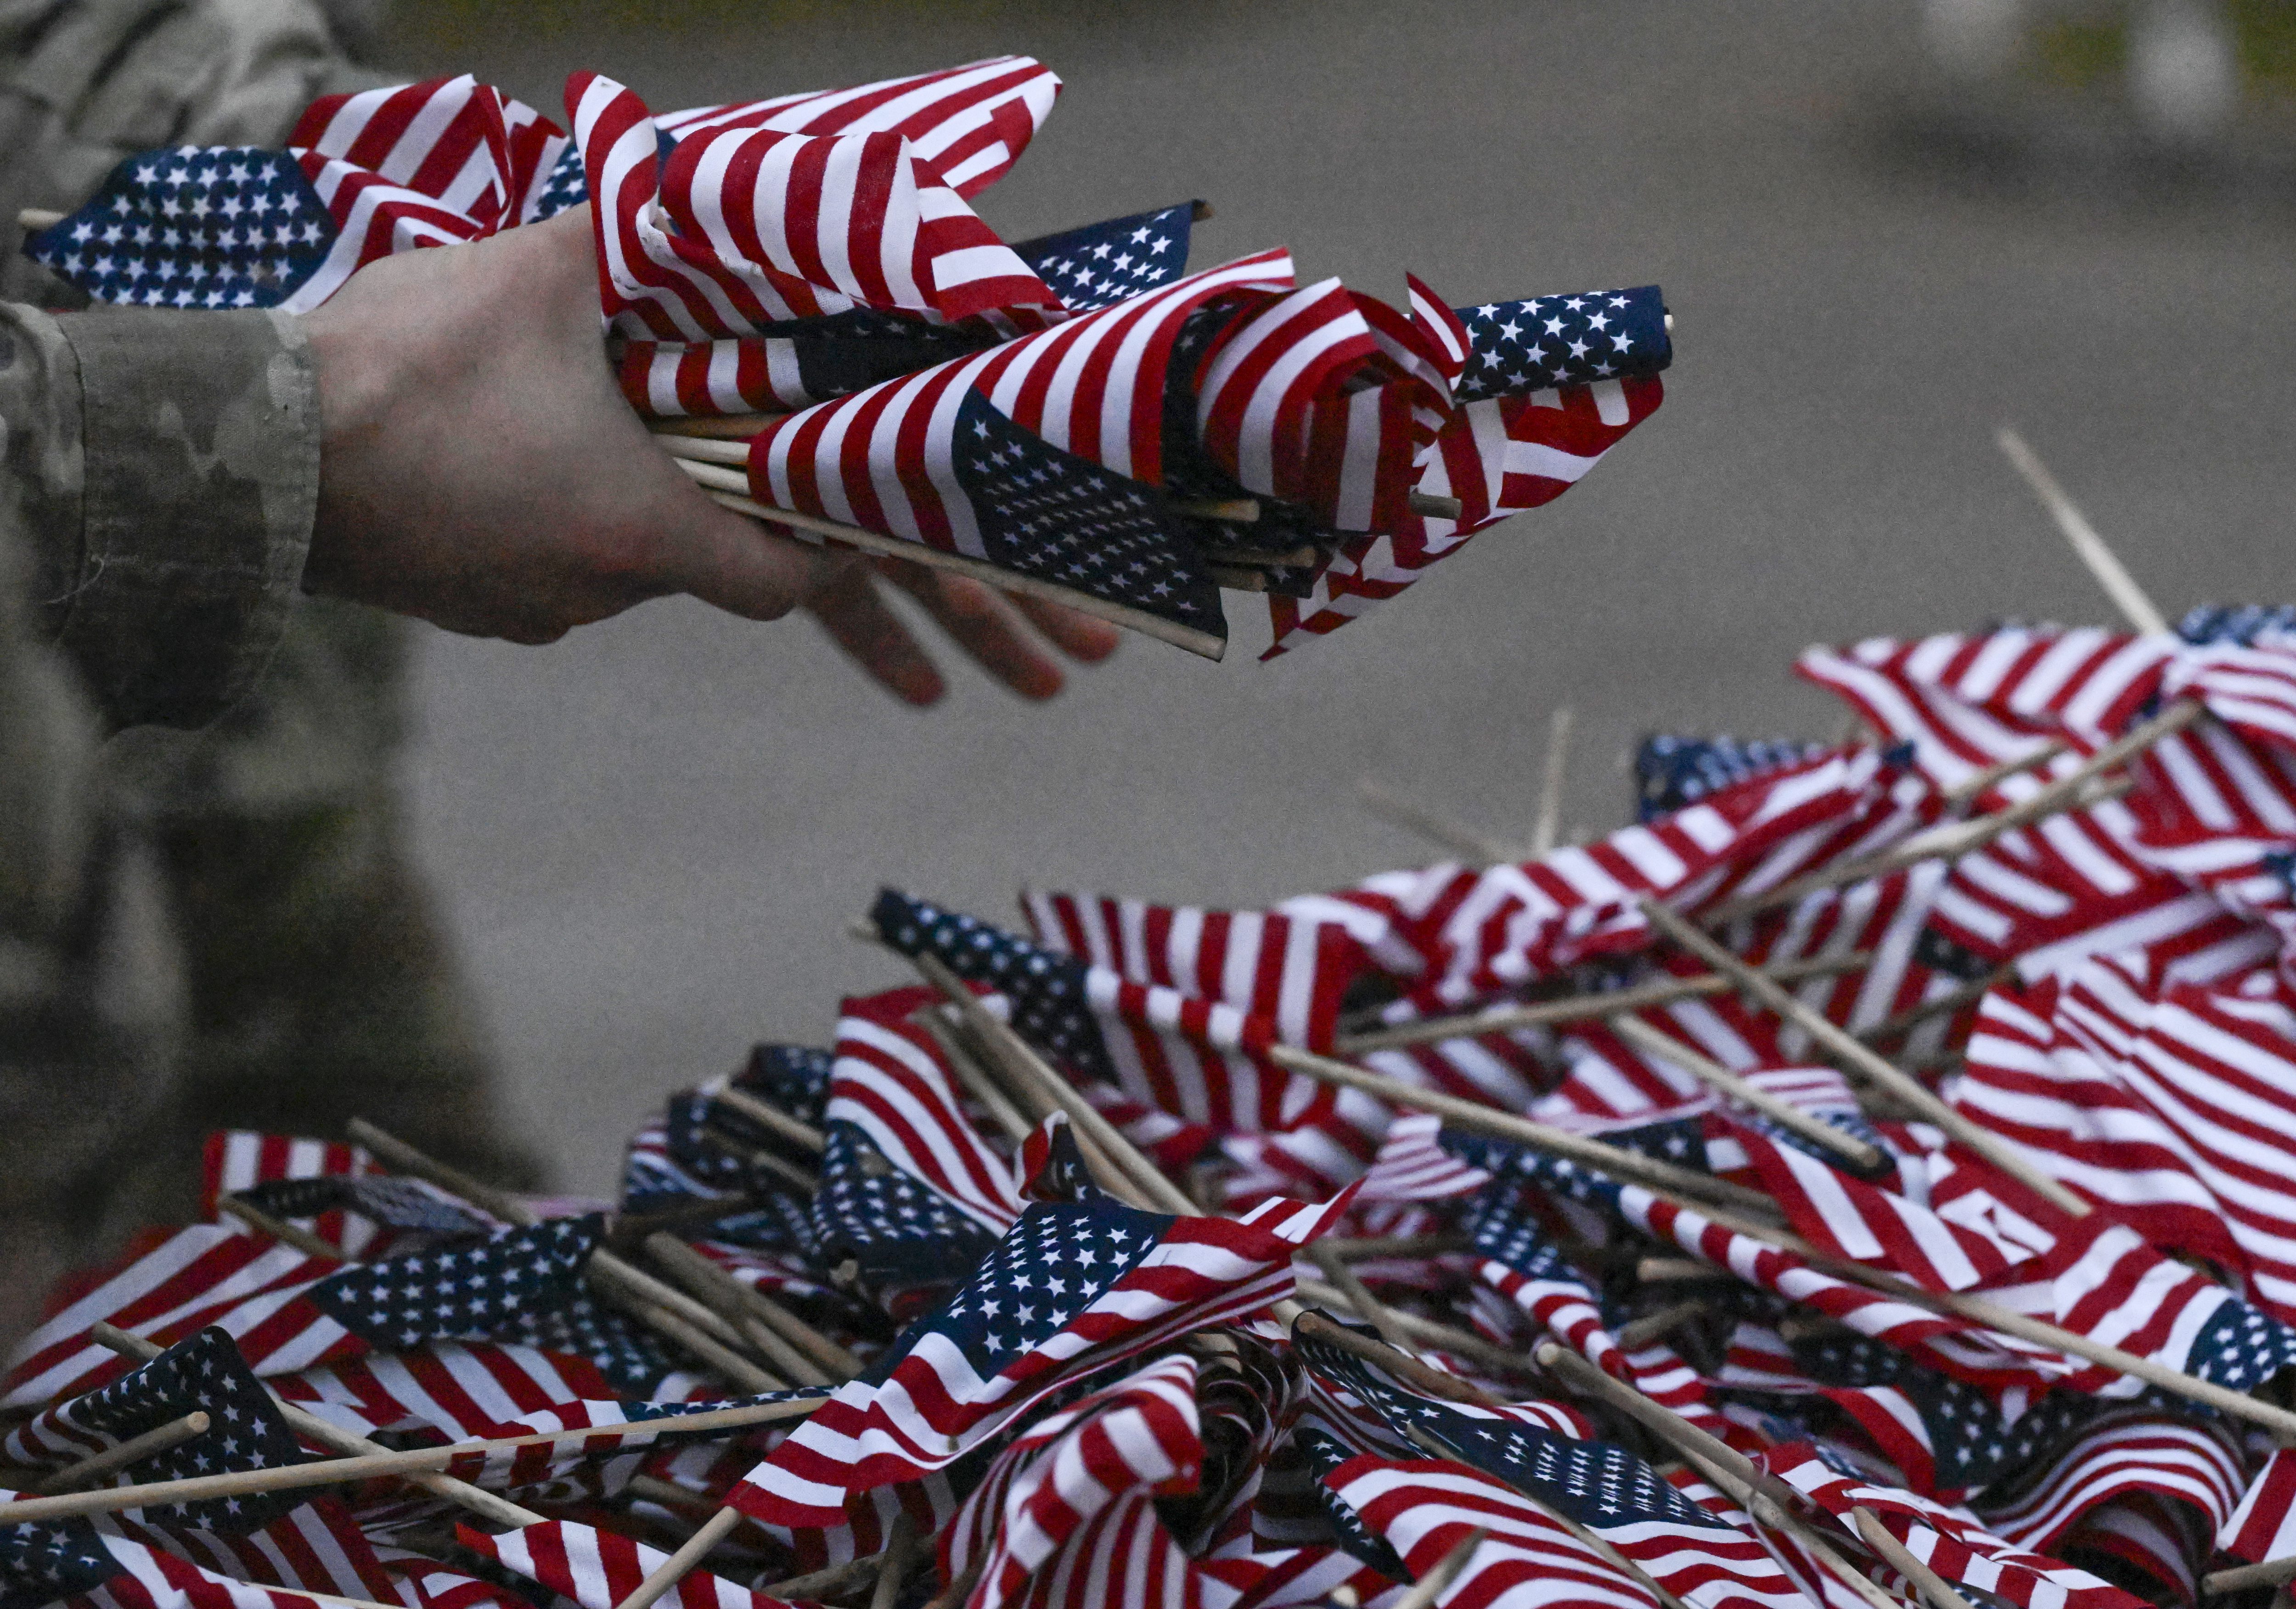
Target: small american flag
(1071, 1287)
(889, 1083)
(1100, 264)
(907, 1242)
(598, 1569)
(1547, 341)
(2264, 1526)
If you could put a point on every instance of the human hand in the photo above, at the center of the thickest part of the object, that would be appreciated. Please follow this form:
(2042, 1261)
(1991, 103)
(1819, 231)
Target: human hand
(478, 469)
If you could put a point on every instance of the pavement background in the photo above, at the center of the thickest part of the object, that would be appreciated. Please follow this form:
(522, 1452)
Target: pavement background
(651, 837)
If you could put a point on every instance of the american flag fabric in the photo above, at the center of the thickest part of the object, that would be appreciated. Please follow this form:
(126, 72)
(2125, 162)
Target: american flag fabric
(598, 1569)
(288, 1311)
(1100, 264)
(1070, 1288)
(1550, 341)
(456, 1389)
(2264, 1525)
(1953, 1546)
(889, 1082)
(2125, 1458)
(204, 1372)
(112, 1564)
(234, 1160)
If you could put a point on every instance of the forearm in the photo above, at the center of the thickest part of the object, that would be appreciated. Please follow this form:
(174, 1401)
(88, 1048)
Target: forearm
(163, 469)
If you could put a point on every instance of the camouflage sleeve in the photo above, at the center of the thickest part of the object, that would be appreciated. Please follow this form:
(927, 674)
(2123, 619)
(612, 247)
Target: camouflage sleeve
(86, 82)
(162, 470)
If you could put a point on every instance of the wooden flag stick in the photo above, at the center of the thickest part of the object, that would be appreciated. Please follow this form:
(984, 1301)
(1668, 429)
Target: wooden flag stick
(2139, 610)
(1635, 1334)
(900, 1558)
(1855, 1055)
(663, 1308)
(175, 1433)
(31, 220)
(1479, 1119)
(1667, 1049)
(1767, 1500)
(730, 488)
(679, 1565)
(841, 1364)
(1430, 1442)
(1438, 1580)
(280, 1229)
(1426, 1332)
(309, 1426)
(1396, 811)
(1954, 840)
(1935, 1588)
(1945, 1005)
(1549, 824)
(728, 1296)
(1020, 1061)
(366, 1466)
(977, 1080)
(2243, 1578)
(723, 427)
(822, 1585)
(1978, 782)
(1357, 1248)
(1396, 1360)
(1586, 1008)
(724, 1092)
(1359, 1297)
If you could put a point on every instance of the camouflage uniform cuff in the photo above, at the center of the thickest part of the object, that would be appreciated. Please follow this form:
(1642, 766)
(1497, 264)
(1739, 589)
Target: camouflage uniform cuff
(201, 435)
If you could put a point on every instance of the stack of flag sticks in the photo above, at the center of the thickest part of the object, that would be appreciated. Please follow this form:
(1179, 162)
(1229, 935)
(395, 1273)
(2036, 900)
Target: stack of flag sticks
(1860, 1183)
(826, 337)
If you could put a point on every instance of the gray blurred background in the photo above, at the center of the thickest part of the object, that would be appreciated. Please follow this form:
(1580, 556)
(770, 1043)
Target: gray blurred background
(1883, 232)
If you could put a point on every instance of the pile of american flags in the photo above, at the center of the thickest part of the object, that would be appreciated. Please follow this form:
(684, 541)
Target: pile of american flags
(1863, 1182)
(797, 293)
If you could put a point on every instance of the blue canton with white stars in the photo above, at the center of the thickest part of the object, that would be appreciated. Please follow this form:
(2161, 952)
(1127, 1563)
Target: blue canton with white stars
(479, 1292)
(207, 227)
(399, 1204)
(1061, 518)
(1046, 989)
(2239, 1347)
(1519, 347)
(900, 1232)
(1103, 263)
(1052, 1264)
(1600, 1485)
(2245, 625)
(46, 1561)
(1323, 1454)
(202, 1372)
(1673, 771)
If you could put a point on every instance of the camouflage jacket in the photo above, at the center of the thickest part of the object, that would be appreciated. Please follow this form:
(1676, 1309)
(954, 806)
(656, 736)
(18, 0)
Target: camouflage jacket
(163, 468)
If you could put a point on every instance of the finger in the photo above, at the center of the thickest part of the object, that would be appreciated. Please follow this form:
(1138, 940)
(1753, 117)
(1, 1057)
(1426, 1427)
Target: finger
(873, 636)
(979, 621)
(1080, 636)
(738, 564)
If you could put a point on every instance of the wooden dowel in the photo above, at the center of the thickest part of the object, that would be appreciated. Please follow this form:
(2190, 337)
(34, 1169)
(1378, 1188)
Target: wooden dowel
(1664, 1271)
(1666, 1048)
(1635, 1334)
(175, 1433)
(1361, 1248)
(1231, 510)
(1945, 1005)
(1398, 1360)
(2138, 609)
(2243, 1578)
(1857, 1057)
(735, 427)
(1548, 825)
(822, 1585)
(1427, 1332)
(31, 220)
(1020, 1060)
(839, 1363)
(900, 1558)
(664, 1494)
(1396, 811)
(2001, 770)
(1954, 839)
(1430, 1442)
(977, 1080)
(1437, 1581)
(1586, 1008)
(381, 1461)
(679, 1565)
(1428, 505)
(724, 1092)
(309, 1426)
(1935, 1588)
(1477, 1118)
(691, 447)
(1359, 1297)
(280, 1229)
(707, 1282)
(730, 490)
(667, 1310)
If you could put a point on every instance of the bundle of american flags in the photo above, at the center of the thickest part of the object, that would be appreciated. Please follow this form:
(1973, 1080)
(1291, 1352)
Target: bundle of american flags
(798, 293)
(1863, 1179)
